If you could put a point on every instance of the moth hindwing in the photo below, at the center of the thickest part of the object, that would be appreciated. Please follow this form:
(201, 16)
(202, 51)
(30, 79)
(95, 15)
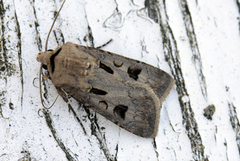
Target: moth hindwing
(127, 92)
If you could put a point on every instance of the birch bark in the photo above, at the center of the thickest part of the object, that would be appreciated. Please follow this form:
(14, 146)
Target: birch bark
(197, 42)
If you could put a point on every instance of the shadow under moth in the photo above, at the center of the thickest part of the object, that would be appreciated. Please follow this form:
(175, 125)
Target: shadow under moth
(125, 91)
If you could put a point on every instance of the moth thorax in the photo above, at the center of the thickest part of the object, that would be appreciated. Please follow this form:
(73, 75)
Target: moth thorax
(81, 66)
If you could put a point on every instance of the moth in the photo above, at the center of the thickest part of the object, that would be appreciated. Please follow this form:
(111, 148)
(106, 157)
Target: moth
(125, 91)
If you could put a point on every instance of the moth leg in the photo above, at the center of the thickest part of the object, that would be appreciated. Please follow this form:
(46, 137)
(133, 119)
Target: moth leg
(46, 76)
(62, 94)
(65, 98)
(104, 44)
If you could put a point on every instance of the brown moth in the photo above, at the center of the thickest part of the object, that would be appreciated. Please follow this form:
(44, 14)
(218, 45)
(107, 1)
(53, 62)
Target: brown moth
(126, 91)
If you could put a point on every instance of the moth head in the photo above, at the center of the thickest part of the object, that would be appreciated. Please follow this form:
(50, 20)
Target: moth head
(43, 57)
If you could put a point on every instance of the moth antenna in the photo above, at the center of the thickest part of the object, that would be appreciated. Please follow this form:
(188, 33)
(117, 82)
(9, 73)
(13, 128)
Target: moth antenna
(53, 25)
(40, 86)
(99, 47)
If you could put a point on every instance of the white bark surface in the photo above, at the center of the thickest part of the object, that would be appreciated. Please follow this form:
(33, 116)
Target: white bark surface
(197, 42)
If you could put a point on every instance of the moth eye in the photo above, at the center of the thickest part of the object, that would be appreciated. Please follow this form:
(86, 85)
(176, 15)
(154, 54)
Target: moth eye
(98, 91)
(120, 110)
(50, 50)
(103, 104)
(117, 63)
(44, 67)
(134, 71)
(106, 68)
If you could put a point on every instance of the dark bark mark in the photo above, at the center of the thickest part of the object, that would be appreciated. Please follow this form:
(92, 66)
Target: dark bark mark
(235, 123)
(19, 46)
(7, 64)
(36, 25)
(209, 111)
(238, 5)
(96, 131)
(173, 58)
(155, 147)
(90, 36)
(153, 10)
(187, 18)
(3, 64)
(54, 133)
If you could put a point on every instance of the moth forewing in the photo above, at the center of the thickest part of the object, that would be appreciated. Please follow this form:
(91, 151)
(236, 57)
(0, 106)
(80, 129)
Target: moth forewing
(125, 91)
